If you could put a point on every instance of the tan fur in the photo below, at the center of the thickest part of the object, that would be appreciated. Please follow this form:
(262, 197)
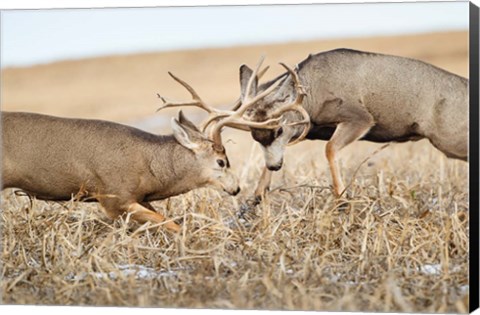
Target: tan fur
(122, 167)
(367, 96)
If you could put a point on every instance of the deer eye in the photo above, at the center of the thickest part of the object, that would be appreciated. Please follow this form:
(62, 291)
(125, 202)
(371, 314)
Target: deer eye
(279, 132)
(221, 163)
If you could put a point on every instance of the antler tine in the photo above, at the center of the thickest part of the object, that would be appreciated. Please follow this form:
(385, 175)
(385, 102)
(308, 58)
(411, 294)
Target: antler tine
(213, 113)
(252, 78)
(267, 124)
(306, 121)
(298, 85)
(237, 104)
(239, 123)
(262, 72)
(197, 101)
(296, 105)
(211, 119)
(194, 94)
(167, 104)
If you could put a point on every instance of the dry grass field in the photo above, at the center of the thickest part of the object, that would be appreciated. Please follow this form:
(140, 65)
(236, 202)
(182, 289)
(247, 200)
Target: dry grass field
(399, 245)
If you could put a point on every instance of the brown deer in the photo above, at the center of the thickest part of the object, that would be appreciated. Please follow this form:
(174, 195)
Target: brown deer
(121, 167)
(352, 95)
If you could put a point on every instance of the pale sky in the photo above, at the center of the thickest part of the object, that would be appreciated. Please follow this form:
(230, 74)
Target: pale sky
(40, 36)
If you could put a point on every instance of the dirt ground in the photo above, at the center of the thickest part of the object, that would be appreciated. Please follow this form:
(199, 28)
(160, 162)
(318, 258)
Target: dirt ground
(400, 244)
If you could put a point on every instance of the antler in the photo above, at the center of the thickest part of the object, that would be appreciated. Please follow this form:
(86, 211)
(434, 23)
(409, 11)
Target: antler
(196, 100)
(296, 105)
(220, 118)
(236, 119)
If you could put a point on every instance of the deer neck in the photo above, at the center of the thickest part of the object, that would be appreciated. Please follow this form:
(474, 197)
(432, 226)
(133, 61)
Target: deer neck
(176, 169)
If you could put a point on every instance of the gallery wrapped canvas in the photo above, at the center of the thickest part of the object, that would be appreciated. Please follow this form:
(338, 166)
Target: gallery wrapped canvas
(319, 157)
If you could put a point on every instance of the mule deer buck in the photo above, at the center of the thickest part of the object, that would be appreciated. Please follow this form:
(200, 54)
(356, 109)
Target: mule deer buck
(353, 95)
(121, 167)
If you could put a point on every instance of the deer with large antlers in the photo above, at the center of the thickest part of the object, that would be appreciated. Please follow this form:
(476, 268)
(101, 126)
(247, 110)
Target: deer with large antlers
(353, 95)
(121, 167)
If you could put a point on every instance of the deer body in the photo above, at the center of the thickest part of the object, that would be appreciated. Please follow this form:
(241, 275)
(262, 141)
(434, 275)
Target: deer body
(403, 99)
(352, 95)
(121, 167)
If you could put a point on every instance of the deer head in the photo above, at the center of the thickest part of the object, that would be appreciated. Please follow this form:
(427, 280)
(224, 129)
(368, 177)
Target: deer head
(284, 99)
(207, 147)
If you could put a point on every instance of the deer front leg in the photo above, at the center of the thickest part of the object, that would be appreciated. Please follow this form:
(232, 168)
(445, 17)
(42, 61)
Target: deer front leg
(346, 133)
(263, 184)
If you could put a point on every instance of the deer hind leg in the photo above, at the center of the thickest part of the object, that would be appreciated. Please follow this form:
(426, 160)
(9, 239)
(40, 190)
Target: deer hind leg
(143, 214)
(453, 149)
(346, 133)
(114, 208)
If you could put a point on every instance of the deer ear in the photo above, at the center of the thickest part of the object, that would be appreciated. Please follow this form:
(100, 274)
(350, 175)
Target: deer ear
(245, 74)
(184, 135)
(186, 122)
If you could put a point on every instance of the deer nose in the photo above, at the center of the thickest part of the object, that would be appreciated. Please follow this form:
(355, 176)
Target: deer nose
(274, 167)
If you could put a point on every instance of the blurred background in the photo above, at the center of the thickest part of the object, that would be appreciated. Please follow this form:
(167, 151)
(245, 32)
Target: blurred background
(40, 36)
